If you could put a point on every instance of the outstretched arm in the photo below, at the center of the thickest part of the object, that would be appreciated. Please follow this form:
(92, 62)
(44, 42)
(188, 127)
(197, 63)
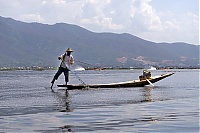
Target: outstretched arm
(61, 57)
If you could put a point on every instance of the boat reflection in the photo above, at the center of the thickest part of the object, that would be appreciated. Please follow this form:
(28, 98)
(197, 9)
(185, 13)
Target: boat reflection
(147, 94)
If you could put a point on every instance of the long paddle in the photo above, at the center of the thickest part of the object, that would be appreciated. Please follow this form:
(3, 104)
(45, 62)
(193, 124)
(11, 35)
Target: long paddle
(74, 72)
(150, 82)
(62, 61)
(78, 78)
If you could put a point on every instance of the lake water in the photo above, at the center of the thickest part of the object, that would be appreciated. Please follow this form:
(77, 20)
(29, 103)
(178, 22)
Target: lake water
(28, 105)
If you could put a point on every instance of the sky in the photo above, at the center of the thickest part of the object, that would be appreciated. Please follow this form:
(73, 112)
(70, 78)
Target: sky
(153, 20)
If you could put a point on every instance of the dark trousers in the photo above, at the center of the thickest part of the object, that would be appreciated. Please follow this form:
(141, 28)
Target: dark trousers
(59, 72)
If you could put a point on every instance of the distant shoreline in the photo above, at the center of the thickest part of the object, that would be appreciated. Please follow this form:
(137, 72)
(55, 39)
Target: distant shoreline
(103, 68)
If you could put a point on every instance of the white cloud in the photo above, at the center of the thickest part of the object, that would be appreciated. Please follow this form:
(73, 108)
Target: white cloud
(103, 23)
(130, 16)
(32, 18)
(144, 17)
(136, 17)
(59, 2)
(182, 29)
(93, 12)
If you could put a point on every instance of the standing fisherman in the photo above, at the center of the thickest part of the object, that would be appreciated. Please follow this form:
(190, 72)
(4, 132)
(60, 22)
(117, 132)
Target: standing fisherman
(67, 60)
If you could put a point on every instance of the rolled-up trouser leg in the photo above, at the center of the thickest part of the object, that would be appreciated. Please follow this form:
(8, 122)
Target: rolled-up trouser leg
(60, 70)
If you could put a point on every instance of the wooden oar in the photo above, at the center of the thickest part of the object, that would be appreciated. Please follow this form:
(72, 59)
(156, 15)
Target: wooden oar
(78, 78)
(150, 82)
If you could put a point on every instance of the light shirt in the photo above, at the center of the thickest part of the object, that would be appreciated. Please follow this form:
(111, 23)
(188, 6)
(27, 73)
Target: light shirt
(68, 61)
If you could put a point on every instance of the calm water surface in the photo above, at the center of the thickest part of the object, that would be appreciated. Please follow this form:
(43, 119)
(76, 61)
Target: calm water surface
(28, 105)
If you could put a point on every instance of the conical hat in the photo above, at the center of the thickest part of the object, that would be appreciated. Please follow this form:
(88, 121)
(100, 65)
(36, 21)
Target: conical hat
(69, 50)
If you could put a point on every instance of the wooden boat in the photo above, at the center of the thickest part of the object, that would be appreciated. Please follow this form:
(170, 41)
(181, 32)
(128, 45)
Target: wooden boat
(133, 83)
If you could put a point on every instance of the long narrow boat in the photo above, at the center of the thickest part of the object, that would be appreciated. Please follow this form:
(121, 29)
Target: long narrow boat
(133, 83)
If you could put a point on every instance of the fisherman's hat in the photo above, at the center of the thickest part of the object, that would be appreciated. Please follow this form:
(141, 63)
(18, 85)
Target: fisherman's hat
(69, 50)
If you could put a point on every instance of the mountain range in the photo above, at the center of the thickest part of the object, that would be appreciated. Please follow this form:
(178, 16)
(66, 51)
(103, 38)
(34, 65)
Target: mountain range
(36, 44)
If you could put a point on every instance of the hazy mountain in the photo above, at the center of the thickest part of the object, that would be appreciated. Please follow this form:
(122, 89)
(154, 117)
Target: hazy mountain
(29, 44)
